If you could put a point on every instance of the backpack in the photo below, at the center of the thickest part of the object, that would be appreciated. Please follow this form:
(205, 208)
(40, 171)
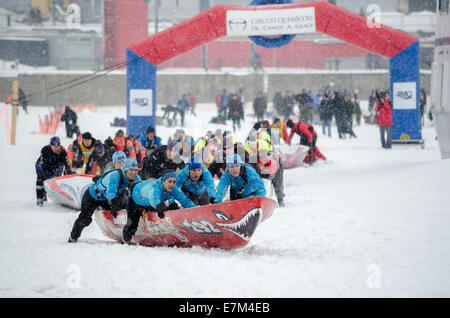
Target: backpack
(98, 177)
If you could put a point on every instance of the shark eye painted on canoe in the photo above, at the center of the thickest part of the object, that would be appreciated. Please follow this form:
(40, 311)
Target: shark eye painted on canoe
(220, 215)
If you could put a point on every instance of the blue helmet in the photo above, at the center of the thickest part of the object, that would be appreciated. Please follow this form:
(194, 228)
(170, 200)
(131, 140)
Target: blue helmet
(130, 163)
(119, 156)
(195, 163)
(233, 159)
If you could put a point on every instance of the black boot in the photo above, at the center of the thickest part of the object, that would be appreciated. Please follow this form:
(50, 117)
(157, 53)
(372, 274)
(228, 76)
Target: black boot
(78, 227)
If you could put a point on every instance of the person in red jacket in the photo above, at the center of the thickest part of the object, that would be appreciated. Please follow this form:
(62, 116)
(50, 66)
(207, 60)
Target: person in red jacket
(384, 112)
(308, 137)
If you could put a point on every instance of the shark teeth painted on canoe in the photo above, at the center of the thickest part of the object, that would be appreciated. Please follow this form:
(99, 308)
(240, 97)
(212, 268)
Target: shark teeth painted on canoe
(245, 227)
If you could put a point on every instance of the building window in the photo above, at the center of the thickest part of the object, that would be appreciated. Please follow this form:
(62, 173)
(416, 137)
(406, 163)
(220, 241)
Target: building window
(443, 6)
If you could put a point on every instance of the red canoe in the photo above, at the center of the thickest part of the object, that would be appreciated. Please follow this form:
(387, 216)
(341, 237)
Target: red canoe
(291, 155)
(226, 225)
(68, 190)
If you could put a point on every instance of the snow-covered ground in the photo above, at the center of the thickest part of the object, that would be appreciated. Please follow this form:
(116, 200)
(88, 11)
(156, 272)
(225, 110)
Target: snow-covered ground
(372, 223)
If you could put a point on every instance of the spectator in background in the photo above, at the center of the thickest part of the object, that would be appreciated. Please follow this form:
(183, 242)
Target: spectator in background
(192, 103)
(277, 103)
(241, 94)
(288, 103)
(182, 105)
(384, 111)
(260, 106)
(224, 102)
(70, 119)
(326, 114)
(23, 100)
(372, 100)
(338, 107)
(357, 108)
(236, 110)
(305, 105)
(423, 103)
(313, 105)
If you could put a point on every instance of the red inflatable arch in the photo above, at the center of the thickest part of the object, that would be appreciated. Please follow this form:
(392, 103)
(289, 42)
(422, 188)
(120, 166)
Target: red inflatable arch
(143, 57)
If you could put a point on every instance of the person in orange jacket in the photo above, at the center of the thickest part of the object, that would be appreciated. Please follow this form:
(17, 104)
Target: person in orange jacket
(139, 149)
(126, 144)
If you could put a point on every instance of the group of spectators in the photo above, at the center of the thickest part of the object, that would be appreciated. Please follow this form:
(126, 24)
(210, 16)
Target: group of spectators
(321, 108)
(186, 103)
(230, 106)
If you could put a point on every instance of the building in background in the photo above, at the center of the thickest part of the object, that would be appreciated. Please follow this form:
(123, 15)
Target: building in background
(440, 79)
(101, 40)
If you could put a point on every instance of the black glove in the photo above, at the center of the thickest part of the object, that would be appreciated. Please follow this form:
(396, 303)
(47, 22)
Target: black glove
(115, 206)
(212, 200)
(160, 208)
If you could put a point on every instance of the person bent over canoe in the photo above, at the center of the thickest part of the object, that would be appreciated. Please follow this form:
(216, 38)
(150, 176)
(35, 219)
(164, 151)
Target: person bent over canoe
(153, 196)
(108, 192)
(243, 180)
(197, 183)
(51, 163)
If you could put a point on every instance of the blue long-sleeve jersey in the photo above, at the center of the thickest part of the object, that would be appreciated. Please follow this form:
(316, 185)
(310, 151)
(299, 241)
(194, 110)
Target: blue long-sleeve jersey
(152, 192)
(252, 188)
(108, 186)
(204, 184)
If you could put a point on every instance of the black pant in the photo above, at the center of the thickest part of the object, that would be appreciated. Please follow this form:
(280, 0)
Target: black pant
(305, 142)
(182, 117)
(236, 121)
(88, 206)
(277, 182)
(41, 176)
(134, 213)
(72, 129)
(259, 117)
(41, 195)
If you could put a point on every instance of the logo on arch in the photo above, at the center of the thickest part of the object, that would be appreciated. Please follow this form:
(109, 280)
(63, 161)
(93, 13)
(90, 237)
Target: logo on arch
(237, 24)
(404, 94)
(141, 102)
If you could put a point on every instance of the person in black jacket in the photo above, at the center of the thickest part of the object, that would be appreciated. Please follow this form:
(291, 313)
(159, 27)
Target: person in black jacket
(82, 151)
(23, 100)
(288, 102)
(163, 158)
(326, 114)
(236, 111)
(338, 107)
(260, 106)
(70, 118)
(349, 107)
(51, 163)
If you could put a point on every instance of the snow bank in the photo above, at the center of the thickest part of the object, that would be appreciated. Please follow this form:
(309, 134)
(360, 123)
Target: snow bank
(372, 223)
